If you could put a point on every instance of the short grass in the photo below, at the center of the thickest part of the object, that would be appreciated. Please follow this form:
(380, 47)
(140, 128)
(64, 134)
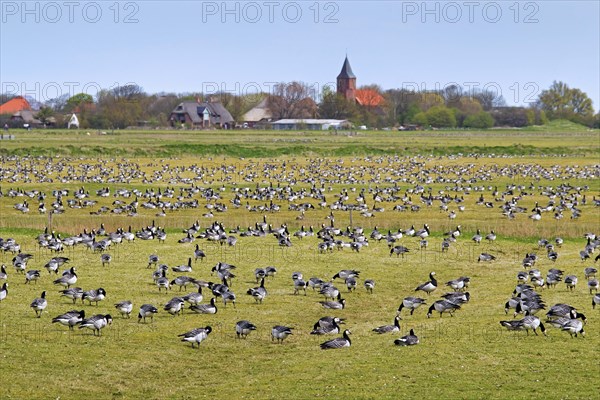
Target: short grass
(466, 356)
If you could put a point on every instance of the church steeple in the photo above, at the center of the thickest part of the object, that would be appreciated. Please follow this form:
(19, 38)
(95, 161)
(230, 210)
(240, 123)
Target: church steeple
(346, 81)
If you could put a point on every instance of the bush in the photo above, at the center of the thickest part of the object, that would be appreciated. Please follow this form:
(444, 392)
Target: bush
(481, 120)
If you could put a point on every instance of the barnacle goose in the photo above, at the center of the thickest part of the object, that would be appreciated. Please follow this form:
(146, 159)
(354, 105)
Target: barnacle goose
(205, 308)
(96, 323)
(389, 328)
(259, 293)
(428, 286)
(338, 343)
(124, 307)
(409, 340)
(39, 304)
(280, 332)
(412, 303)
(70, 318)
(243, 328)
(94, 295)
(147, 310)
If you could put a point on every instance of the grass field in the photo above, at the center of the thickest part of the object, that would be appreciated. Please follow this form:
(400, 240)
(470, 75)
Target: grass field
(466, 356)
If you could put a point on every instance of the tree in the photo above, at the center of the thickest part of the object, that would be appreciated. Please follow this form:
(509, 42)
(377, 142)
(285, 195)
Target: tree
(488, 99)
(44, 114)
(560, 101)
(441, 117)
(79, 101)
(335, 106)
(292, 100)
(481, 120)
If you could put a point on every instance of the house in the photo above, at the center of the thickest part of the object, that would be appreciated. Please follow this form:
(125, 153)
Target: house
(310, 124)
(15, 105)
(258, 115)
(29, 118)
(201, 115)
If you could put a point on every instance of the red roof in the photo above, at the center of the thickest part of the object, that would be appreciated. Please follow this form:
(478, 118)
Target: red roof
(14, 105)
(368, 97)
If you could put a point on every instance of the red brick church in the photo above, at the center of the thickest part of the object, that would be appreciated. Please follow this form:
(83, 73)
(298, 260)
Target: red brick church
(346, 86)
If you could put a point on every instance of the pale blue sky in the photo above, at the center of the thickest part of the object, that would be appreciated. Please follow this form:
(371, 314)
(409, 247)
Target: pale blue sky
(49, 48)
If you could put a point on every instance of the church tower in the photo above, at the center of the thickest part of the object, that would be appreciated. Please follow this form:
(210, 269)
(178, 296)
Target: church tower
(346, 81)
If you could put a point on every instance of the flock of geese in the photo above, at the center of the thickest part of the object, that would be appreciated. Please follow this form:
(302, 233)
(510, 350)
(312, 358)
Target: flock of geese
(317, 193)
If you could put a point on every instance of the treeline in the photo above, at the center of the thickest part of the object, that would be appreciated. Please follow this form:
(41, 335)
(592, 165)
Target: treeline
(452, 107)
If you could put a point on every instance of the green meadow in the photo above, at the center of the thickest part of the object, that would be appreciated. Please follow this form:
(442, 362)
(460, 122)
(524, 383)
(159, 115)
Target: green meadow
(467, 356)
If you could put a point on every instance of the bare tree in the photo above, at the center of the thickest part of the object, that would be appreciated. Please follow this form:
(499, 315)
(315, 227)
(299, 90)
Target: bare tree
(292, 100)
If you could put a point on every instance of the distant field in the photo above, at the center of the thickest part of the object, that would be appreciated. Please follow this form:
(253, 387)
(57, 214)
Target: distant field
(466, 356)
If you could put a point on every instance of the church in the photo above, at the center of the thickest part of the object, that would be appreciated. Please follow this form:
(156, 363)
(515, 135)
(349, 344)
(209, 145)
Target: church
(346, 87)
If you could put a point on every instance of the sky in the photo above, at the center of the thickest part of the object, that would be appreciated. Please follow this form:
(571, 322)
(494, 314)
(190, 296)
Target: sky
(514, 48)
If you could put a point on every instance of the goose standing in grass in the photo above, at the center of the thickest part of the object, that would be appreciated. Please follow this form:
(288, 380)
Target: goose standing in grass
(147, 310)
(152, 260)
(205, 308)
(429, 286)
(443, 306)
(490, 237)
(124, 307)
(369, 285)
(163, 282)
(67, 279)
(486, 257)
(174, 306)
(196, 336)
(3, 274)
(334, 305)
(280, 332)
(351, 283)
(4, 291)
(412, 303)
(39, 304)
(106, 259)
(574, 327)
(459, 283)
(96, 323)
(409, 340)
(185, 267)
(199, 254)
(593, 285)
(194, 298)
(315, 283)
(477, 237)
(327, 326)
(228, 297)
(529, 322)
(346, 273)
(271, 271)
(74, 293)
(259, 293)
(338, 343)
(329, 291)
(183, 281)
(70, 318)
(243, 329)
(94, 295)
(399, 251)
(571, 281)
(590, 272)
(595, 300)
(32, 275)
(389, 328)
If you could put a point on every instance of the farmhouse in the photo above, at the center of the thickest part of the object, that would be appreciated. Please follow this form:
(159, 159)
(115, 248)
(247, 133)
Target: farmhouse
(258, 115)
(204, 115)
(15, 105)
(310, 124)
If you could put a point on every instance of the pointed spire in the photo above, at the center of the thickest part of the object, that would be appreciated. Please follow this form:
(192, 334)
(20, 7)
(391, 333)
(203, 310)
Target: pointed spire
(346, 72)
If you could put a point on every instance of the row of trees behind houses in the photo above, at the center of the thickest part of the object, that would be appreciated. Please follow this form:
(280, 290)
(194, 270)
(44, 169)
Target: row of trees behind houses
(452, 107)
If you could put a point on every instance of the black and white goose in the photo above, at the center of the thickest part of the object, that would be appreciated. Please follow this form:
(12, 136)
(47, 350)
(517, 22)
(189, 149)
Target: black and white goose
(94, 295)
(67, 279)
(96, 323)
(429, 286)
(338, 343)
(199, 254)
(389, 328)
(124, 307)
(346, 273)
(196, 336)
(570, 281)
(574, 327)
(4, 291)
(152, 260)
(459, 283)
(3, 274)
(259, 293)
(334, 305)
(369, 285)
(243, 329)
(329, 291)
(595, 300)
(147, 310)
(205, 308)
(411, 303)
(163, 282)
(185, 267)
(174, 306)
(70, 318)
(443, 306)
(280, 332)
(74, 293)
(529, 322)
(593, 285)
(327, 326)
(106, 259)
(32, 276)
(399, 251)
(486, 257)
(194, 298)
(409, 340)
(39, 304)
(590, 272)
